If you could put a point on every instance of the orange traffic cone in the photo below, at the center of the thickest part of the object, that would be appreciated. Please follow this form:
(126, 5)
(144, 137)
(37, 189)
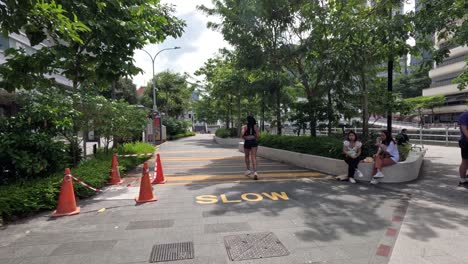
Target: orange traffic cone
(114, 174)
(146, 190)
(66, 203)
(159, 177)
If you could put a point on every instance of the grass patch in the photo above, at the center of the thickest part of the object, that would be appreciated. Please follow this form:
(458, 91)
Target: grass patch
(28, 197)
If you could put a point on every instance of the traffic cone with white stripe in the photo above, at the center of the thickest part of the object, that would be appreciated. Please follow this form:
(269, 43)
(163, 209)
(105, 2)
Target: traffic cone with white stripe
(146, 190)
(66, 203)
(158, 172)
(114, 174)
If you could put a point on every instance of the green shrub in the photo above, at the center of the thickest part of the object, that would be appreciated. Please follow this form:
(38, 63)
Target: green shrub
(222, 133)
(175, 126)
(321, 146)
(137, 147)
(226, 132)
(186, 134)
(28, 197)
(29, 155)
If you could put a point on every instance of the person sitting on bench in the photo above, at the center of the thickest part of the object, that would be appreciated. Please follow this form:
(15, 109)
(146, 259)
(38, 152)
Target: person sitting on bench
(387, 155)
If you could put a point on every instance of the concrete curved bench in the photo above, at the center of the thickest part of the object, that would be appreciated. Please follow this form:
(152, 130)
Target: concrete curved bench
(405, 171)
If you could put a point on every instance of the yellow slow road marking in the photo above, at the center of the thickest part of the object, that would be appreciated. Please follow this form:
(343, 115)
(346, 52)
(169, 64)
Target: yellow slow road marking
(249, 180)
(263, 176)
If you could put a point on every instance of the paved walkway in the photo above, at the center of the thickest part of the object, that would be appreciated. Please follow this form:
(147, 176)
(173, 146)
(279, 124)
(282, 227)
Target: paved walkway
(435, 229)
(207, 200)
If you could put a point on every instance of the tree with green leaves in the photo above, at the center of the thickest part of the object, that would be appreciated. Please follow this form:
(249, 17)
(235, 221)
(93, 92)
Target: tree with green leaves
(411, 85)
(228, 88)
(173, 93)
(92, 43)
(255, 29)
(206, 111)
(123, 89)
(420, 103)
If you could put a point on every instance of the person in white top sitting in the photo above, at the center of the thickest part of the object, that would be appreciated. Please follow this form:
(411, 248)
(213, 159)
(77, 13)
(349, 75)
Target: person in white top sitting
(352, 150)
(387, 155)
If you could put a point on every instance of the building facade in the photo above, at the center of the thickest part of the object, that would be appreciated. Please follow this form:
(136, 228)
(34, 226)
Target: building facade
(20, 41)
(442, 76)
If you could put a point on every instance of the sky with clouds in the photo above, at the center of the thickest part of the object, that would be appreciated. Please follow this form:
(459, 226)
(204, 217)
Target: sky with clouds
(198, 44)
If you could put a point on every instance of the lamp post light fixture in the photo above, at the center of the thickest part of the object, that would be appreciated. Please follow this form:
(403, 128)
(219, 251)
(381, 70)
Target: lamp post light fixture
(155, 115)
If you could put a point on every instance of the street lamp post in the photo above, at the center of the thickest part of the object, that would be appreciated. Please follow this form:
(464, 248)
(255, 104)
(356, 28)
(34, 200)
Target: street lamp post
(155, 108)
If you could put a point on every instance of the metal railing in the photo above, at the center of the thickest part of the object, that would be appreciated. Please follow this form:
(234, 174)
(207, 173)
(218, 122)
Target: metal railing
(438, 136)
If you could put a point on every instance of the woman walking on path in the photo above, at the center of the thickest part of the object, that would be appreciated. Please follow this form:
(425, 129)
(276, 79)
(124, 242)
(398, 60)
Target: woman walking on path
(352, 150)
(250, 133)
(387, 155)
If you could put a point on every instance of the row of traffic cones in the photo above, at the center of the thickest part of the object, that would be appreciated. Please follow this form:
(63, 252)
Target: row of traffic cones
(67, 203)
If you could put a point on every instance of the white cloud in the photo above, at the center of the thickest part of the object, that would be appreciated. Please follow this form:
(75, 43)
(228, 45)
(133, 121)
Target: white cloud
(198, 44)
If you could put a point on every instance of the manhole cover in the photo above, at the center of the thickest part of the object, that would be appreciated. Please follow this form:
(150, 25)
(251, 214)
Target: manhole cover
(254, 246)
(173, 251)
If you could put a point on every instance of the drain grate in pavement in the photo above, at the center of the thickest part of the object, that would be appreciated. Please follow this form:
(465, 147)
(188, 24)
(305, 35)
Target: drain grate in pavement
(150, 224)
(227, 227)
(254, 246)
(173, 251)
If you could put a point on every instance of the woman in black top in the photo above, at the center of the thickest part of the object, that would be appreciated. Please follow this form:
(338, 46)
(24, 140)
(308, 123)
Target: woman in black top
(250, 133)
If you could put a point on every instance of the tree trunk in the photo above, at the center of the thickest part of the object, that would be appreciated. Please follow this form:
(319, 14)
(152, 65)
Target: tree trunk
(74, 150)
(239, 122)
(278, 109)
(84, 143)
(390, 79)
(228, 120)
(113, 91)
(389, 89)
(365, 106)
(263, 113)
(329, 112)
(312, 116)
(116, 142)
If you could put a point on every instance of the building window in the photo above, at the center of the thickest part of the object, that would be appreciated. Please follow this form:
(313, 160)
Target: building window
(452, 60)
(444, 80)
(456, 99)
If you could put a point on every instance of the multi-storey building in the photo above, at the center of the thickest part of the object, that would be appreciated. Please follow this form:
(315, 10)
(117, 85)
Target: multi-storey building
(442, 76)
(20, 41)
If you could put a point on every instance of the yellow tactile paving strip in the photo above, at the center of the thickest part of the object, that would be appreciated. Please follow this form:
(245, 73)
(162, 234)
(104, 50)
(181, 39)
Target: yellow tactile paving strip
(225, 177)
(250, 180)
(210, 169)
